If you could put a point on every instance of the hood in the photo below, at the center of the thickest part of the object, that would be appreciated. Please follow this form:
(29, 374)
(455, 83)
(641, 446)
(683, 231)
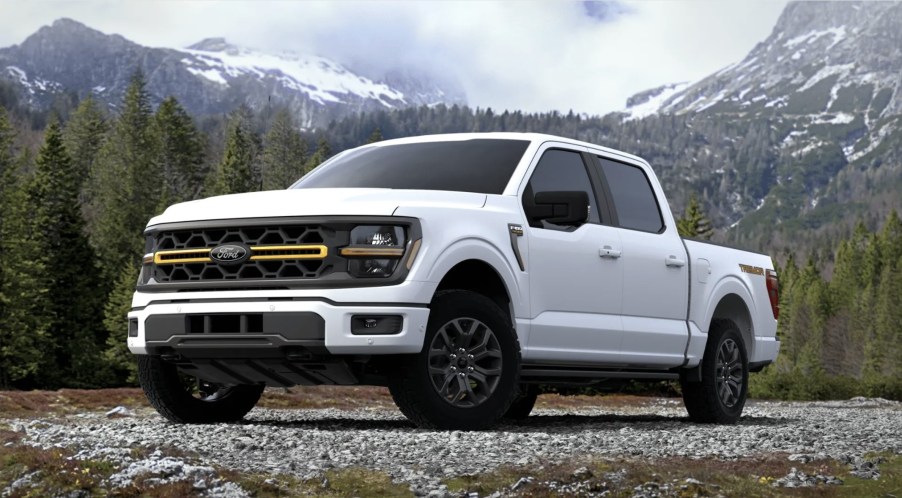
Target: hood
(313, 202)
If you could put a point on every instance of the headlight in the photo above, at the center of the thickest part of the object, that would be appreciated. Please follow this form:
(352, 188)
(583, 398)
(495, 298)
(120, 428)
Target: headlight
(375, 250)
(378, 236)
(146, 261)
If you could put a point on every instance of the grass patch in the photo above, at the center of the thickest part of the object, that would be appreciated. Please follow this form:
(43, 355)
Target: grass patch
(37, 473)
(889, 484)
(336, 483)
(683, 476)
(40, 403)
(50, 472)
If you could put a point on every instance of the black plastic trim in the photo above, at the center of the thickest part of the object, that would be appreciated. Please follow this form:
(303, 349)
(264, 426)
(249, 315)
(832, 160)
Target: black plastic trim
(585, 373)
(602, 193)
(292, 326)
(276, 372)
(515, 244)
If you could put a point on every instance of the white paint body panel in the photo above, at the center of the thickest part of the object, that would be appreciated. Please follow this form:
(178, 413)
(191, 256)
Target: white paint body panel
(569, 305)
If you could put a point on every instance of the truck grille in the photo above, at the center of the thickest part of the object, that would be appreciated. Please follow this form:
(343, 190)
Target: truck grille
(296, 252)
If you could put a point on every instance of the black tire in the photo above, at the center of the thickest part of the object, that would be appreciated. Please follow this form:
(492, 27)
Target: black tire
(719, 398)
(493, 383)
(168, 393)
(523, 403)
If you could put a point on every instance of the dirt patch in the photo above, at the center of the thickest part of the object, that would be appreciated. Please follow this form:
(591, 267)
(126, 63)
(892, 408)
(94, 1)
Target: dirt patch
(340, 397)
(39, 403)
(611, 401)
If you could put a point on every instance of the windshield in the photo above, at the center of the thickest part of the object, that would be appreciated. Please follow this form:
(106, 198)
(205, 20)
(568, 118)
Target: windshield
(482, 166)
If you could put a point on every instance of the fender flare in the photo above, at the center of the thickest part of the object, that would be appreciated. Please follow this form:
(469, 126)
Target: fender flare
(473, 248)
(726, 286)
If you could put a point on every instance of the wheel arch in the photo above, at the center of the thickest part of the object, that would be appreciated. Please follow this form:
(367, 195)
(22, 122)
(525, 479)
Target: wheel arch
(733, 307)
(478, 276)
(479, 266)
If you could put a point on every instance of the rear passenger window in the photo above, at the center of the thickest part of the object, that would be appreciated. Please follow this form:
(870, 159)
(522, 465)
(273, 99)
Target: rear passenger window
(559, 170)
(634, 200)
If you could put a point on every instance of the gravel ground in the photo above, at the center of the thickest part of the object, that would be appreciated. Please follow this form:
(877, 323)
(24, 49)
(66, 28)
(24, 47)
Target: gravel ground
(305, 443)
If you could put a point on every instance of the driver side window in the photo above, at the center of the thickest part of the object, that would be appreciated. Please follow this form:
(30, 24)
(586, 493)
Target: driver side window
(559, 170)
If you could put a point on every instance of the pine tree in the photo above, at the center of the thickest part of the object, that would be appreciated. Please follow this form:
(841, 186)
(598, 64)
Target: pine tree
(323, 151)
(117, 355)
(70, 275)
(883, 359)
(181, 153)
(890, 238)
(126, 184)
(376, 136)
(694, 223)
(237, 171)
(284, 153)
(83, 137)
(22, 324)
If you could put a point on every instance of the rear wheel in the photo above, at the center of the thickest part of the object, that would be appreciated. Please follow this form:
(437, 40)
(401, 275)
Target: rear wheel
(466, 376)
(187, 400)
(721, 394)
(523, 403)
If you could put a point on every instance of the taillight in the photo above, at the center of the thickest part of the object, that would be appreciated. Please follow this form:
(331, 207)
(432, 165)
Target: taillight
(773, 292)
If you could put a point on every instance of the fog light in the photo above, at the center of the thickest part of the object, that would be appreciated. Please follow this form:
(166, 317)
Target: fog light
(372, 267)
(133, 327)
(376, 324)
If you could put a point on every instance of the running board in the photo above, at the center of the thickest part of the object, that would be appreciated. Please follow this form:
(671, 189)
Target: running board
(580, 373)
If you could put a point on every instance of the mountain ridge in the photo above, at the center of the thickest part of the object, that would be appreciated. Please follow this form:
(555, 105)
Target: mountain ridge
(821, 100)
(209, 77)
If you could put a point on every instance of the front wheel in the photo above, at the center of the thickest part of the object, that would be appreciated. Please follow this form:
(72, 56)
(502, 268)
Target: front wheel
(523, 403)
(185, 400)
(721, 394)
(466, 376)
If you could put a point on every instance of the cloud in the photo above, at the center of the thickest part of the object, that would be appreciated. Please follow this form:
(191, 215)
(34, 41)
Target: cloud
(529, 55)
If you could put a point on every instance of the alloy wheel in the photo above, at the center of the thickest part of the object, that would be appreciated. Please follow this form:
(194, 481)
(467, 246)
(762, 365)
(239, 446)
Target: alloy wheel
(465, 362)
(728, 378)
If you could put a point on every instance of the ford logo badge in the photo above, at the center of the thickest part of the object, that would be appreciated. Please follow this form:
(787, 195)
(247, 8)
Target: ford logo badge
(230, 254)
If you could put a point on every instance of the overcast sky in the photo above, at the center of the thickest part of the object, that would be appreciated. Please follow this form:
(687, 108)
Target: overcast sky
(528, 55)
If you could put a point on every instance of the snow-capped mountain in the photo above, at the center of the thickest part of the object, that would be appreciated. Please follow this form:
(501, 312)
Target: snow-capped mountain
(833, 63)
(833, 47)
(805, 132)
(211, 76)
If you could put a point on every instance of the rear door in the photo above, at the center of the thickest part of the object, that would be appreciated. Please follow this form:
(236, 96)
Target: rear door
(575, 275)
(655, 267)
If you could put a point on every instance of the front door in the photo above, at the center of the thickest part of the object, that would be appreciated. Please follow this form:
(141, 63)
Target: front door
(575, 273)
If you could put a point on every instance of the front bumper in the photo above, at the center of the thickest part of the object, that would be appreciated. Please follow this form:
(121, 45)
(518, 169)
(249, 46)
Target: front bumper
(307, 324)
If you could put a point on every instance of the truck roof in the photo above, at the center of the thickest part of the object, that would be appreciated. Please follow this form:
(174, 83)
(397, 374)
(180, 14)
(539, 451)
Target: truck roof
(532, 137)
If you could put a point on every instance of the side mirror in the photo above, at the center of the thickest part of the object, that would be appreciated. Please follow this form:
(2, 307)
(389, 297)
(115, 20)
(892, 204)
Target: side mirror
(570, 207)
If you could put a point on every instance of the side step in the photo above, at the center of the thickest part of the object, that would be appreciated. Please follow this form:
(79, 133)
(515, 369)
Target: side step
(553, 374)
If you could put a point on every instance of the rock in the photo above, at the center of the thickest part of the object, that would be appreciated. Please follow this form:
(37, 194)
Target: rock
(521, 482)
(582, 473)
(119, 411)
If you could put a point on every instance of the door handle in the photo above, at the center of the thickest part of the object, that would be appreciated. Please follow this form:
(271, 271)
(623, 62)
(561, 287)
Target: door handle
(609, 252)
(673, 261)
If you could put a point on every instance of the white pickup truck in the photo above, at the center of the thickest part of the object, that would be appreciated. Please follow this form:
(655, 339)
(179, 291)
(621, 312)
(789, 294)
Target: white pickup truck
(461, 271)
